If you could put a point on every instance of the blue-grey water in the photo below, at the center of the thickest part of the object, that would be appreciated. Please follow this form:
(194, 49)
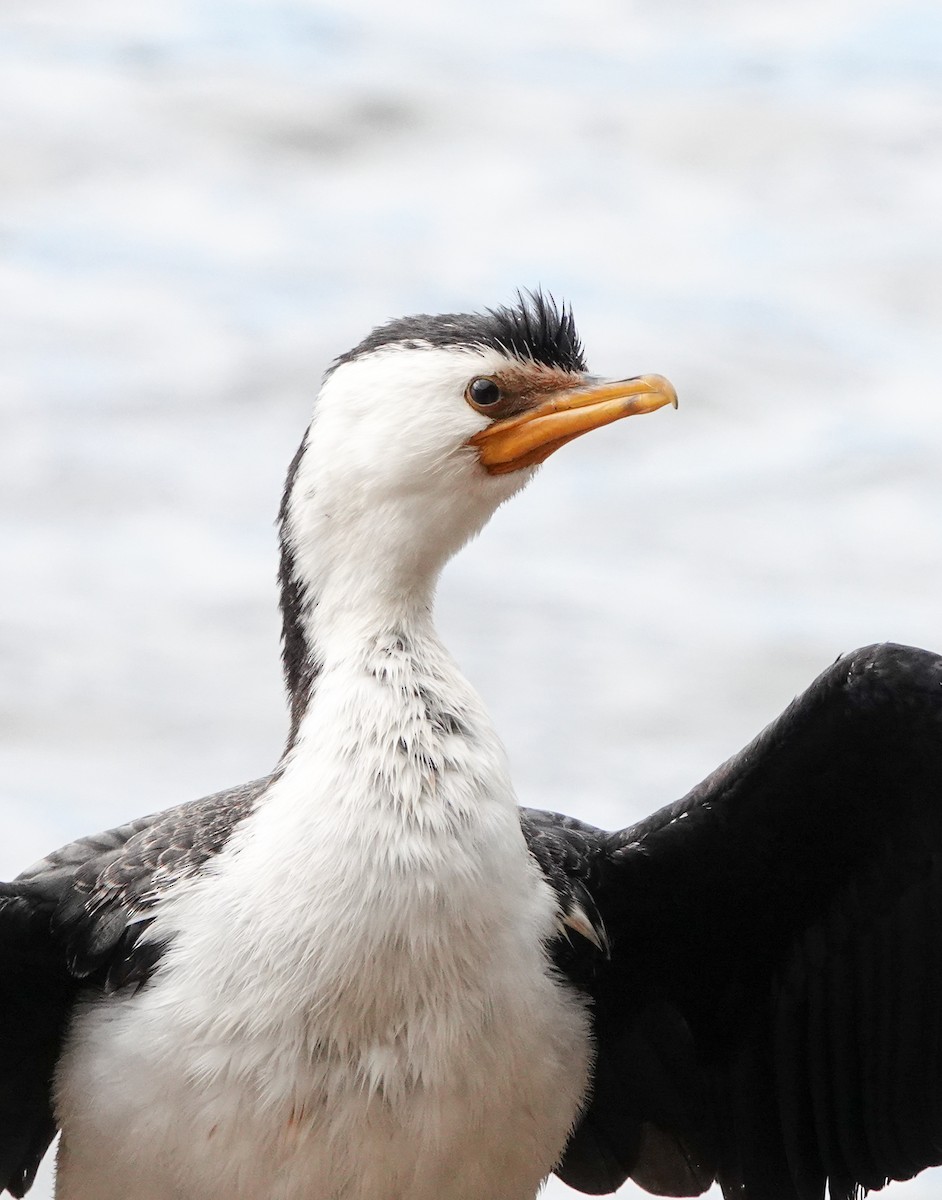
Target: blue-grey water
(203, 201)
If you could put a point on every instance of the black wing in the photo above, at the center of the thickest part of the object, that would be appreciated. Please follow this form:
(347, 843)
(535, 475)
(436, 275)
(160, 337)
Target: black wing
(771, 1013)
(73, 921)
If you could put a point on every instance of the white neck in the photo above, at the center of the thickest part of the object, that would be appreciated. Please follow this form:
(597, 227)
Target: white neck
(355, 598)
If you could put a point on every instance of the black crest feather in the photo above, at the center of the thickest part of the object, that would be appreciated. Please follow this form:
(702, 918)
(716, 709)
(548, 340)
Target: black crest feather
(535, 329)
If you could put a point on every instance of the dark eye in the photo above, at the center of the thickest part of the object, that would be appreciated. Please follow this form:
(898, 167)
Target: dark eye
(483, 392)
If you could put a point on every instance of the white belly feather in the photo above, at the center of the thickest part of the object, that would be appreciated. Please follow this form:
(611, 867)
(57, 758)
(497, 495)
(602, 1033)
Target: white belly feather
(355, 1003)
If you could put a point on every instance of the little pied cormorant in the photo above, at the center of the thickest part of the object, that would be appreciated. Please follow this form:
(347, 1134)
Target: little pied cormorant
(370, 976)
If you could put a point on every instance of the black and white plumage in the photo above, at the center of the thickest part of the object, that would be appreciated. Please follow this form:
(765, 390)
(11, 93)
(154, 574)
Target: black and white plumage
(369, 974)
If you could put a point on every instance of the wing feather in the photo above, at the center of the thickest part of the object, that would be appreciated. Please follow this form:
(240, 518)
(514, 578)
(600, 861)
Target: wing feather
(787, 914)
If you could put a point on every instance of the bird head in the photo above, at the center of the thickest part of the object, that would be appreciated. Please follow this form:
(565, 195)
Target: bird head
(425, 427)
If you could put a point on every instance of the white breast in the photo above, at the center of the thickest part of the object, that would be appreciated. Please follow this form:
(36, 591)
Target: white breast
(356, 1002)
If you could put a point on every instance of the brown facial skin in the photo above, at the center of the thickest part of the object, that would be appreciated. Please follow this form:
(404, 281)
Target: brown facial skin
(542, 408)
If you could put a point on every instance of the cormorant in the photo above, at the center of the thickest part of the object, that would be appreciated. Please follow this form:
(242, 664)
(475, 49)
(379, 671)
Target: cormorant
(370, 976)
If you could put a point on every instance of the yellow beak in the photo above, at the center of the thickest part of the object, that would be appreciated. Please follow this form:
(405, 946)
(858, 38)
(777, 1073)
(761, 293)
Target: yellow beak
(530, 437)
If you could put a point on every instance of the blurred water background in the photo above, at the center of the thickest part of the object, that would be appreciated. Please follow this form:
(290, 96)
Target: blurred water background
(203, 201)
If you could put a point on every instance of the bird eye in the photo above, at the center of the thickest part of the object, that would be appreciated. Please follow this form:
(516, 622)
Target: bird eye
(483, 393)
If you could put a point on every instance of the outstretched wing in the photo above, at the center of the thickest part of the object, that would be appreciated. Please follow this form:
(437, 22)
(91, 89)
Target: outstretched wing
(72, 921)
(771, 1013)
